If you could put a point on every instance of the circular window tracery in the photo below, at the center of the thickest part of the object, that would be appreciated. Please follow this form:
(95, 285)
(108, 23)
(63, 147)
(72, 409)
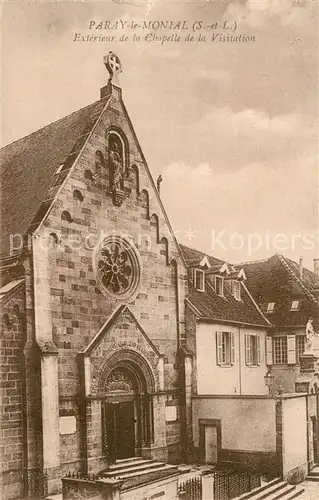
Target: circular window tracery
(117, 267)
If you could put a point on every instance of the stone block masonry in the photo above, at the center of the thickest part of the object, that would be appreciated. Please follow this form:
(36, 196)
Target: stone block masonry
(12, 339)
(74, 307)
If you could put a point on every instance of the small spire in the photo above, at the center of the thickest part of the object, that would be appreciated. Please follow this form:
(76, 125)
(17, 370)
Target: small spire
(114, 67)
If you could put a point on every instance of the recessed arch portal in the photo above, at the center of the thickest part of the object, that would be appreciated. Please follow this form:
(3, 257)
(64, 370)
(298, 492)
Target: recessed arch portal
(133, 362)
(126, 385)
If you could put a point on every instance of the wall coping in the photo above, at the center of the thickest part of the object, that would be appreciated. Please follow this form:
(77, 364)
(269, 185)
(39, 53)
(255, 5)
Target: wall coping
(233, 396)
(291, 395)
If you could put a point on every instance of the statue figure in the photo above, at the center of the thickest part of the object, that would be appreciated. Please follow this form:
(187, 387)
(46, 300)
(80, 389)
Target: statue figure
(310, 337)
(116, 162)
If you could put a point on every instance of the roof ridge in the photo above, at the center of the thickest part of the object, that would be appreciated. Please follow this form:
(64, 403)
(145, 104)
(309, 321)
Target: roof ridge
(247, 262)
(55, 121)
(296, 278)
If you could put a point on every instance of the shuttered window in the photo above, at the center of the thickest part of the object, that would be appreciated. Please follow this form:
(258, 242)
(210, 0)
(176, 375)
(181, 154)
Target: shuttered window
(291, 349)
(300, 346)
(225, 348)
(252, 350)
(280, 350)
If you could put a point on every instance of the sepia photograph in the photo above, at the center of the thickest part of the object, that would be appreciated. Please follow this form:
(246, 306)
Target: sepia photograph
(159, 256)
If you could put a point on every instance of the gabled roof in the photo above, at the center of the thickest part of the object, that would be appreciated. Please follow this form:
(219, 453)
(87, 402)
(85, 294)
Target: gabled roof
(122, 310)
(209, 306)
(28, 167)
(277, 279)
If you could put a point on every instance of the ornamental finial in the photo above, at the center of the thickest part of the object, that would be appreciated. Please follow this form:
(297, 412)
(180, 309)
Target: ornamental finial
(114, 67)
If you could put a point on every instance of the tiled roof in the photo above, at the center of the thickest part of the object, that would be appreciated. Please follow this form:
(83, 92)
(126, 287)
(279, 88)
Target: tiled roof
(210, 306)
(277, 280)
(193, 257)
(28, 183)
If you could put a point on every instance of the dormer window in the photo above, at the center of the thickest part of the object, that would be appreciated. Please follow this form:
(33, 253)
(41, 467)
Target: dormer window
(235, 289)
(199, 280)
(294, 305)
(219, 285)
(270, 307)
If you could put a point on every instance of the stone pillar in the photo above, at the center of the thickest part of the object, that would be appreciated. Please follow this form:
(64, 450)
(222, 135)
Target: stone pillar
(188, 406)
(33, 478)
(50, 420)
(279, 438)
(49, 364)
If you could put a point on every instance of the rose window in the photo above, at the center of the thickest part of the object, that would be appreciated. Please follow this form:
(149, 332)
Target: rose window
(118, 267)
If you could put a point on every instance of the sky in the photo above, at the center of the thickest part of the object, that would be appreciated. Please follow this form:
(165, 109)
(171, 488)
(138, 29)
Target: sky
(232, 127)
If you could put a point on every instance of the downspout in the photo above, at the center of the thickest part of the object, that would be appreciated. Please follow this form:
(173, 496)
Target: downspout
(181, 374)
(240, 367)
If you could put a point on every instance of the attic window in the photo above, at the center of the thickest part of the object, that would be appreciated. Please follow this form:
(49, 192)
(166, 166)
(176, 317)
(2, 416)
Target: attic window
(235, 289)
(270, 307)
(66, 216)
(294, 305)
(88, 175)
(77, 195)
(219, 285)
(199, 280)
(53, 240)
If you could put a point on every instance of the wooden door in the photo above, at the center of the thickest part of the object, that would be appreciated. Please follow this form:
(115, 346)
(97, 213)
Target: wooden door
(211, 444)
(125, 430)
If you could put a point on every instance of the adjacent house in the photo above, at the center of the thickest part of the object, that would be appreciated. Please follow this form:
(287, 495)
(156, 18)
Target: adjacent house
(288, 295)
(233, 417)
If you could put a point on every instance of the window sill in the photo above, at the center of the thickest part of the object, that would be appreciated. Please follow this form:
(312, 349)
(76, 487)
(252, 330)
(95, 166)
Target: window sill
(225, 365)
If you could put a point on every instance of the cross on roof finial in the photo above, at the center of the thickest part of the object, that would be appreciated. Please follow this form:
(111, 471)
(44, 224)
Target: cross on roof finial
(114, 66)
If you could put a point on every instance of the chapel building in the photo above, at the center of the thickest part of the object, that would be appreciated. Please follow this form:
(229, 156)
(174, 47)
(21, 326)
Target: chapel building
(92, 299)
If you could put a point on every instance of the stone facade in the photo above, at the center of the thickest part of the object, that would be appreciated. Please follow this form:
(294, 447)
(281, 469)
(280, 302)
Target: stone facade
(67, 308)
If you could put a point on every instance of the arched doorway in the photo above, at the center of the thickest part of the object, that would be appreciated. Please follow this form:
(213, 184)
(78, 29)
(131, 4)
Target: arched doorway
(127, 420)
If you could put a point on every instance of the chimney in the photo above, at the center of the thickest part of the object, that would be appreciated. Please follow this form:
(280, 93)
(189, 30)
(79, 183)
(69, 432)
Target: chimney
(316, 266)
(301, 267)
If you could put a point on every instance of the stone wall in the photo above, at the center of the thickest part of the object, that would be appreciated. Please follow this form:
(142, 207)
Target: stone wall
(12, 339)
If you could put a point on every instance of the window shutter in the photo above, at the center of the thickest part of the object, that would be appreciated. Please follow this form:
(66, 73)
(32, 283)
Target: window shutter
(232, 348)
(291, 348)
(269, 356)
(219, 348)
(247, 349)
(258, 349)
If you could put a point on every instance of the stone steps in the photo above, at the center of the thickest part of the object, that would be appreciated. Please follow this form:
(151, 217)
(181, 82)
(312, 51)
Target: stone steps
(136, 471)
(115, 472)
(274, 490)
